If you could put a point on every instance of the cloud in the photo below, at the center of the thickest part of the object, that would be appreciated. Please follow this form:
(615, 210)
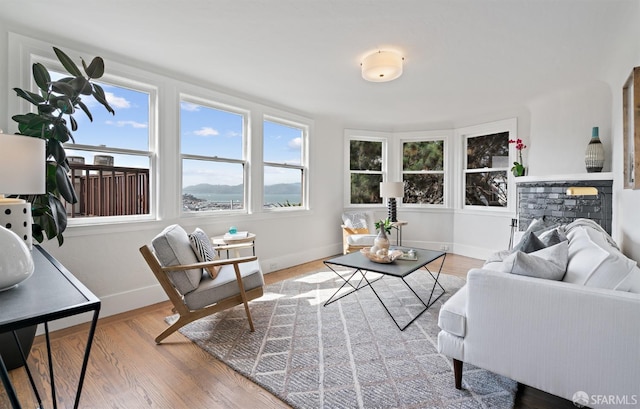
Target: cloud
(188, 106)
(133, 124)
(206, 131)
(117, 102)
(295, 143)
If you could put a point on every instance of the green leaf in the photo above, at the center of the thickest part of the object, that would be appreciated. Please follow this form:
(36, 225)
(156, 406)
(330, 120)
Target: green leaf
(45, 108)
(81, 85)
(61, 132)
(65, 187)
(85, 109)
(41, 76)
(63, 88)
(98, 94)
(65, 106)
(67, 63)
(35, 99)
(74, 124)
(95, 69)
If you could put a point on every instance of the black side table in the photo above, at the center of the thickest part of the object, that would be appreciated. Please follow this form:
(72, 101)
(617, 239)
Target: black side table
(51, 293)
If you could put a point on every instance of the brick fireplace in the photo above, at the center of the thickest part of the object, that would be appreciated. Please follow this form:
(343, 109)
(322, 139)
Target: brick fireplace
(547, 196)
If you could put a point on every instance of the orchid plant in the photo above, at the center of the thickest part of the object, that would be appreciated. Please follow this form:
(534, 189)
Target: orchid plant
(518, 166)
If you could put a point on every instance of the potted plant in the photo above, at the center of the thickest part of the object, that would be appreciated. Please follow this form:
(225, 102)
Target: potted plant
(386, 224)
(56, 103)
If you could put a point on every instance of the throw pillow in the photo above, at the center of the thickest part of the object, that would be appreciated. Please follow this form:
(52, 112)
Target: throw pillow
(201, 245)
(553, 237)
(537, 227)
(549, 263)
(531, 243)
(594, 261)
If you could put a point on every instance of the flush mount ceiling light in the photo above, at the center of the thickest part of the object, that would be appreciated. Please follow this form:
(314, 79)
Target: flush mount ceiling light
(382, 66)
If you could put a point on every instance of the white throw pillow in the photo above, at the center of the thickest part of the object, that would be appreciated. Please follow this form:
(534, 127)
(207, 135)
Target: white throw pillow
(594, 262)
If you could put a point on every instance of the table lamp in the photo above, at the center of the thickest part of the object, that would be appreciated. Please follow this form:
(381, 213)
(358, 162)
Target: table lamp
(22, 171)
(391, 190)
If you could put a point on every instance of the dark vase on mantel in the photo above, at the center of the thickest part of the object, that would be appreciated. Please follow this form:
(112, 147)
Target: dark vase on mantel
(594, 156)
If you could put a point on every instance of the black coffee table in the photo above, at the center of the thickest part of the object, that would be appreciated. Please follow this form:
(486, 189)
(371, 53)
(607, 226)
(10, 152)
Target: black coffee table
(398, 269)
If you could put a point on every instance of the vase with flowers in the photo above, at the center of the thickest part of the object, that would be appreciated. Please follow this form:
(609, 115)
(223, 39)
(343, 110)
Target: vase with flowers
(518, 168)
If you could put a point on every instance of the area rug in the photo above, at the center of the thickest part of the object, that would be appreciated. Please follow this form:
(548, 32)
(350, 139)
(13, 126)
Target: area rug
(349, 354)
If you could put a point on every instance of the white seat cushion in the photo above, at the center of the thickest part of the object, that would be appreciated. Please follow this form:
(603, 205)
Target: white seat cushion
(453, 314)
(361, 239)
(224, 285)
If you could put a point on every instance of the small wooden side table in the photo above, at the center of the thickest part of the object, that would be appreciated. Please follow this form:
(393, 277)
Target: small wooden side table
(236, 244)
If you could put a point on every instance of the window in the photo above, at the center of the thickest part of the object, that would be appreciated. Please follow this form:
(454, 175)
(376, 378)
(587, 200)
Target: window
(487, 162)
(365, 170)
(212, 153)
(423, 172)
(110, 157)
(283, 157)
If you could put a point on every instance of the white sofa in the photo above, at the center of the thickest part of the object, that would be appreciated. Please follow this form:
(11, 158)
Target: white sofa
(579, 334)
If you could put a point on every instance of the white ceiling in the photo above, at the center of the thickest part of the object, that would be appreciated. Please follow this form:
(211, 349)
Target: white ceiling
(463, 58)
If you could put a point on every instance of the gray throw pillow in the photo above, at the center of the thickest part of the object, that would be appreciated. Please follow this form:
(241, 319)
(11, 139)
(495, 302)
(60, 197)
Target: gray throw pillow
(549, 263)
(531, 243)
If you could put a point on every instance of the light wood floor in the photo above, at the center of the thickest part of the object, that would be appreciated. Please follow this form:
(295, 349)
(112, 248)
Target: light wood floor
(128, 370)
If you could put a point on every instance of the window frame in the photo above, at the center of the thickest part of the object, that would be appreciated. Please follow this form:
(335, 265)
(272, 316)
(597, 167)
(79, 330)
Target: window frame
(115, 77)
(367, 136)
(511, 127)
(244, 161)
(446, 166)
(303, 167)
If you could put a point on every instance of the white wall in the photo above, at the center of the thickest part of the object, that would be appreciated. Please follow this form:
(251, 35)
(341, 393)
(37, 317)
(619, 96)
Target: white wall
(561, 129)
(626, 216)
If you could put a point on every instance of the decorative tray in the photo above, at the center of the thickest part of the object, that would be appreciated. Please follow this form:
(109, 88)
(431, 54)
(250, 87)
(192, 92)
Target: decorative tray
(389, 258)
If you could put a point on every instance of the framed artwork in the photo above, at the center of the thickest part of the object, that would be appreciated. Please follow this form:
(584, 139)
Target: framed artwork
(631, 130)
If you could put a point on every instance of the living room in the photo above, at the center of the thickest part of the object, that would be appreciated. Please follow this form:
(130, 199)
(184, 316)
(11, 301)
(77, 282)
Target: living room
(596, 39)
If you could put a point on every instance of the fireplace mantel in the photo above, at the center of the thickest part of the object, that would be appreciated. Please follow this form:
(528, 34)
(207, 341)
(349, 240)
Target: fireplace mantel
(567, 177)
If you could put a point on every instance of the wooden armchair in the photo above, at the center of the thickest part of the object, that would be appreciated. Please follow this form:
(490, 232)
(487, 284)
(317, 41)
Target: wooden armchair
(194, 293)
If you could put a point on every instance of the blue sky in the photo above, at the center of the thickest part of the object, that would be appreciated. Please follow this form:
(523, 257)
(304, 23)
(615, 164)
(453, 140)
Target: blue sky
(204, 131)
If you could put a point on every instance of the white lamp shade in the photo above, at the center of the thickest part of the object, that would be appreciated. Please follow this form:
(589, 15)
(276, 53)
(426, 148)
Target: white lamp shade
(382, 66)
(22, 165)
(16, 263)
(391, 189)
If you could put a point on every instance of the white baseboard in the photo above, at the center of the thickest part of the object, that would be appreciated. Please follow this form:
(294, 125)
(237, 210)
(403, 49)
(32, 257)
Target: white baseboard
(141, 297)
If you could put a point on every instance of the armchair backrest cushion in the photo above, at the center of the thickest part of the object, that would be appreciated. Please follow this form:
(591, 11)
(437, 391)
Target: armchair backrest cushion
(359, 221)
(172, 247)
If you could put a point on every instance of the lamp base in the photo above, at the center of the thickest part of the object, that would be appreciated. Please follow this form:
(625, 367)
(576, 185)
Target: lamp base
(15, 215)
(391, 204)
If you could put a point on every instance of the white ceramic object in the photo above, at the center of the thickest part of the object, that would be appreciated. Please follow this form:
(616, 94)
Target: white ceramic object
(16, 262)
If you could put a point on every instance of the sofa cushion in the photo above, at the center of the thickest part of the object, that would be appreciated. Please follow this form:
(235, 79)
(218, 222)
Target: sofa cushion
(201, 245)
(224, 285)
(594, 261)
(172, 247)
(453, 314)
(548, 263)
